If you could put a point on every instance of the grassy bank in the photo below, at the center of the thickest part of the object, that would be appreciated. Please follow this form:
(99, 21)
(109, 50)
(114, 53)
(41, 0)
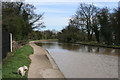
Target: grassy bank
(93, 43)
(45, 40)
(16, 59)
(0, 71)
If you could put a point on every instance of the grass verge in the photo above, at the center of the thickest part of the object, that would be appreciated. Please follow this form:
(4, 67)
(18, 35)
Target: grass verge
(0, 71)
(92, 43)
(14, 60)
(45, 40)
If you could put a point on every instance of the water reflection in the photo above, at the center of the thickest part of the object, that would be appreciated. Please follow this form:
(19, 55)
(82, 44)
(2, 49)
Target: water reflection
(70, 47)
(79, 48)
(81, 61)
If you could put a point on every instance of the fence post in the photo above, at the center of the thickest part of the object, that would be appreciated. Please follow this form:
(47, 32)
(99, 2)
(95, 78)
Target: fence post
(10, 42)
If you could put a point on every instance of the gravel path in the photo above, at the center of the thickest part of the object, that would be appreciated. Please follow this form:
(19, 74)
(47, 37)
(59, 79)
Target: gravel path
(42, 65)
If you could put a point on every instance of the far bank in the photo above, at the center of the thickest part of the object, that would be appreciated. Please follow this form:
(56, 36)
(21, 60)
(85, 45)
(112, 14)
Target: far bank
(91, 43)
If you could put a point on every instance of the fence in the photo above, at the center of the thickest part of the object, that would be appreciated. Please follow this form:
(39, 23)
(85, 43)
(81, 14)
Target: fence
(6, 43)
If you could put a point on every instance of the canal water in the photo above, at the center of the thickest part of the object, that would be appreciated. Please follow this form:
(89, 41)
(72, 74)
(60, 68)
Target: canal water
(81, 61)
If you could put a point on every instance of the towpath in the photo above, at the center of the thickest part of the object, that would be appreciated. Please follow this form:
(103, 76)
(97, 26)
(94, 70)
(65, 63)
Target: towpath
(42, 65)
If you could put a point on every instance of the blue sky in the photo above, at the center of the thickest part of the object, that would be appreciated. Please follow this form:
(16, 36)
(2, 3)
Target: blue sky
(57, 14)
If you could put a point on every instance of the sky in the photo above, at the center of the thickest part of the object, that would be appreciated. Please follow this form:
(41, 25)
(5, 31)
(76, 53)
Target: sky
(57, 13)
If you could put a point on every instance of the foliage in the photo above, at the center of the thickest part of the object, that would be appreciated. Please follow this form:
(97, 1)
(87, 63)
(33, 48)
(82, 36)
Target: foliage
(14, 60)
(69, 34)
(19, 18)
(86, 15)
(47, 34)
(93, 24)
(105, 28)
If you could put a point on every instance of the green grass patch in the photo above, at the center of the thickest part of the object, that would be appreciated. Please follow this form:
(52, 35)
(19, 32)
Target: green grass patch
(16, 59)
(0, 71)
(45, 40)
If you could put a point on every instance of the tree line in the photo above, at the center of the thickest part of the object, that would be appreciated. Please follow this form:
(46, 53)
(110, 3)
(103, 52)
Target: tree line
(20, 19)
(91, 23)
(47, 34)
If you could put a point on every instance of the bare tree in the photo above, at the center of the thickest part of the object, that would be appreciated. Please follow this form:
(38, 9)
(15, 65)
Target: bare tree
(86, 15)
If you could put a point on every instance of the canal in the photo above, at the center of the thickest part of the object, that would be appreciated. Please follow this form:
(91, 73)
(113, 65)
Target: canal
(81, 61)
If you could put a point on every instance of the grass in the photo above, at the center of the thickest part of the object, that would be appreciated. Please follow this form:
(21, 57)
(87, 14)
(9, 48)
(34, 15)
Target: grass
(16, 59)
(45, 40)
(0, 71)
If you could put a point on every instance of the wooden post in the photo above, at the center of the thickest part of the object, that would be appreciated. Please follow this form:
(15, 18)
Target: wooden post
(10, 42)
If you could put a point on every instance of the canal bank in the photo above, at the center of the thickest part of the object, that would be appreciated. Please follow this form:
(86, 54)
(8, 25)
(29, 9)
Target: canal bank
(42, 65)
(92, 43)
(98, 45)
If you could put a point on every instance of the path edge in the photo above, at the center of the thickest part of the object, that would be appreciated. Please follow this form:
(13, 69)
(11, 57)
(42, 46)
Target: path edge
(50, 58)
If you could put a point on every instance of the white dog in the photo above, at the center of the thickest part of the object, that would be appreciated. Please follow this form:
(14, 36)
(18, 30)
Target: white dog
(22, 70)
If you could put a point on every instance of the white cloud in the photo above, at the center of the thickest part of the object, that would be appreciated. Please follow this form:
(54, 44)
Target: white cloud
(50, 10)
(56, 21)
